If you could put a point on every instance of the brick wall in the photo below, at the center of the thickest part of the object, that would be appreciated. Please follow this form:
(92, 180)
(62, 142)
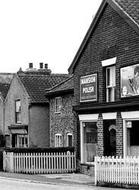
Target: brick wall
(119, 135)
(111, 37)
(100, 147)
(62, 122)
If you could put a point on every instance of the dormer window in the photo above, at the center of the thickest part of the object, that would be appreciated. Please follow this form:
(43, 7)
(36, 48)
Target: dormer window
(18, 111)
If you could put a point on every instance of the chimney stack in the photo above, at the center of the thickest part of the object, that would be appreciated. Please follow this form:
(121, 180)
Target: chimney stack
(30, 65)
(41, 65)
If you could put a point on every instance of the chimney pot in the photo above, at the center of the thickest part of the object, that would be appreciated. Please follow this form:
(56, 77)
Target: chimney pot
(46, 66)
(41, 65)
(30, 65)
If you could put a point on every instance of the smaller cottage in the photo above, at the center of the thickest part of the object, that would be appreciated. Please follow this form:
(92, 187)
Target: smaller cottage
(62, 126)
(27, 108)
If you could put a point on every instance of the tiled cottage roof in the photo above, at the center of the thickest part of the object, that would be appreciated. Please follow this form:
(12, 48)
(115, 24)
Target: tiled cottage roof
(65, 86)
(131, 8)
(4, 87)
(5, 80)
(36, 85)
(128, 9)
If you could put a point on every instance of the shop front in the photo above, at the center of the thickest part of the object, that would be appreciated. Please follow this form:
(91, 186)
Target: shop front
(108, 134)
(131, 133)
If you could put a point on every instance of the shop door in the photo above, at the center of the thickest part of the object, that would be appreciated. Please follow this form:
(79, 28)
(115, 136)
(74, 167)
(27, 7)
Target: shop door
(109, 138)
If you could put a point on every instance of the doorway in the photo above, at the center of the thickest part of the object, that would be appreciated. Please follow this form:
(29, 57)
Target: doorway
(109, 137)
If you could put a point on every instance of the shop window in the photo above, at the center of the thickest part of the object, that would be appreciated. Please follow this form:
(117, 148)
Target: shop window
(110, 84)
(58, 140)
(58, 104)
(18, 111)
(134, 134)
(69, 139)
(89, 141)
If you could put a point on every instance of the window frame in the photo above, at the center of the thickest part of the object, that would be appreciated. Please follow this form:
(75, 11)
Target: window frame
(58, 140)
(69, 134)
(17, 111)
(110, 83)
(58, 104)
(22, 139)
(82, 136)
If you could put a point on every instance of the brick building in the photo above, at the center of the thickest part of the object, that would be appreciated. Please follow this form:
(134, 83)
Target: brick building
(27, 108)
(106, 69)
(62, 122)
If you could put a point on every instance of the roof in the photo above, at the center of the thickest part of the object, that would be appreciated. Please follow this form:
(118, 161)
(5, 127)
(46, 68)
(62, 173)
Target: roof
(36, 85)
(4, 87)
(128, 9)
(63, 87)
(131, 8)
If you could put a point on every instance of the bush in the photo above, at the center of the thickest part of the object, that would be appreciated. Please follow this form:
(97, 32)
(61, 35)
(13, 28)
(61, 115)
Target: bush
(41, 150)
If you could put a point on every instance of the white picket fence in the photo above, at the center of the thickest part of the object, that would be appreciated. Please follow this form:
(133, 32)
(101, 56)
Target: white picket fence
(36, 163)
(117, 170)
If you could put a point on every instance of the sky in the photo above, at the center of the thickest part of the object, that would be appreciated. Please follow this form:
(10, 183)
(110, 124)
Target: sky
(48, 31)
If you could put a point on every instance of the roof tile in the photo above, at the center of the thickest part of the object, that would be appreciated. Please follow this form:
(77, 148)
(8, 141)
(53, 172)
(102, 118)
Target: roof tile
(36, 85)
(131, 7)
(66, 85)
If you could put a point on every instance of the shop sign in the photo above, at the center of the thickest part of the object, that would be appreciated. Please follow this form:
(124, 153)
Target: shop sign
(130, 81)
(88, 88)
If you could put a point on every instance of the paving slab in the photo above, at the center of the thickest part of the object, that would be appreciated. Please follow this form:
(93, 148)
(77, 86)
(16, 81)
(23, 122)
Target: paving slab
(72, 178)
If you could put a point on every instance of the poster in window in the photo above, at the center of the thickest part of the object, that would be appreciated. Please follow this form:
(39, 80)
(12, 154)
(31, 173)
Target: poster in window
(130, 81)
(88, 88)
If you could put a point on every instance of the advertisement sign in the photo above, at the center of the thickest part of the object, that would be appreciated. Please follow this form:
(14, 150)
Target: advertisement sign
(130, 81)
(88, 88)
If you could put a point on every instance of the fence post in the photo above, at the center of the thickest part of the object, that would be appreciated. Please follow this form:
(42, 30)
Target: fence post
(11, 161)
(4, 160)
(95, 170)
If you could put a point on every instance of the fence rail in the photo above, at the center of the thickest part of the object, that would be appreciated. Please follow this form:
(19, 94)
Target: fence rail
(36, 163)
(117, 170)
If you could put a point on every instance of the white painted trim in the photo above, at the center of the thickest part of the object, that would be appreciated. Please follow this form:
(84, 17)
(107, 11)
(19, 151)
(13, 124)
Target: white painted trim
(81, 141)
(109, 115)
(130, 115)
(124, 139)
(88, 117)
(108, 62)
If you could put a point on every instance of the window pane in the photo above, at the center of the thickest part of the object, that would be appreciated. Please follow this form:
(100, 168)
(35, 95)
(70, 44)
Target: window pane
(110, 84)
(90, 141)
(18, 111)
(58, 104)
(18, 117)
(69, 140)
(108, 76)
(58, 140)
(18, 105)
